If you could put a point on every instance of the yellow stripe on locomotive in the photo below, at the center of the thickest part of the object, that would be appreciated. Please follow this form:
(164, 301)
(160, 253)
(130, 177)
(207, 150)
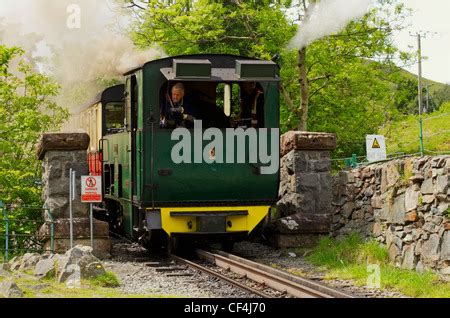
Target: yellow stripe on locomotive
(210, 220)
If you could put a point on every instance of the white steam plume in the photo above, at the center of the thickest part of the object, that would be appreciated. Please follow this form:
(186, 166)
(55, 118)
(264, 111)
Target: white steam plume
(77, 56)
(328, 17)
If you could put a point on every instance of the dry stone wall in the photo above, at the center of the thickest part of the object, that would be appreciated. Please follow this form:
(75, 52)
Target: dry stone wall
(403, 204)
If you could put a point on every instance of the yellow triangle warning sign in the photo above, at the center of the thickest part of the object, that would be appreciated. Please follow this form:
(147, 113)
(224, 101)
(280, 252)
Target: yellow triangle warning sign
(375, 143)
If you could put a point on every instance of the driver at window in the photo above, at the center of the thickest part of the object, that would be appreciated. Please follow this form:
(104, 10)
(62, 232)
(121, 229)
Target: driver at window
(176, 110)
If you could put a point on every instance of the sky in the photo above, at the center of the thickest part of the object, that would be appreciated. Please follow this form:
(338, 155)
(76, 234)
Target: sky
(431, 16)
(427, 16)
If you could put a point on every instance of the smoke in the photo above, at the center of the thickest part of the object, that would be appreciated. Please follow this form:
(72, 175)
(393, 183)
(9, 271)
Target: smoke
(81, 43)
(13, 36)
(328, 17)
(105, 58)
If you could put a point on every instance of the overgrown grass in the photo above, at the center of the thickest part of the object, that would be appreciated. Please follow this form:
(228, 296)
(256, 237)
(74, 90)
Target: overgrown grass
(103, 286)
(447, 212)
(88, 289)
(403, 136)
(349, 259)
(106, 280)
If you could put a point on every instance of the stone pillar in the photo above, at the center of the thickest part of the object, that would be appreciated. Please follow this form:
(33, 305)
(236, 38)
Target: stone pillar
(305, 194)
(59, 152)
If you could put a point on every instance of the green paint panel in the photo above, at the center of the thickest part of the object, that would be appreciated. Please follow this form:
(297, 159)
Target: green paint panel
(206, 182)
(192, 68)
(119, 154)
(167, 183)
(139, 137)
(253, 69)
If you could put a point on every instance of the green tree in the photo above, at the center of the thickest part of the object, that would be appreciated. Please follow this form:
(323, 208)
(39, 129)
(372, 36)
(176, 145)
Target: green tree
(441, 96)
(26, 111)
(344, 83)
(337, 55)
(406, 97)
(249, 28)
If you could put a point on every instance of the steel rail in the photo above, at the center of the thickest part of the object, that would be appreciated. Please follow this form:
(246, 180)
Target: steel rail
(271, 277)
(220, 276)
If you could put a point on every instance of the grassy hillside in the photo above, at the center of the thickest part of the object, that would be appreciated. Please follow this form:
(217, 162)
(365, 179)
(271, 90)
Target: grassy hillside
(438, 93)
(403, 135)
(434, 86)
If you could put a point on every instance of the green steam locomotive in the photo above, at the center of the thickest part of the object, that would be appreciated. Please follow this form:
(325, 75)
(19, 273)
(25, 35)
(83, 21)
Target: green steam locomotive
(212, 174)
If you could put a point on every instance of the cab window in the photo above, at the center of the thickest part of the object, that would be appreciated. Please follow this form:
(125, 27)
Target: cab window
(219, 105)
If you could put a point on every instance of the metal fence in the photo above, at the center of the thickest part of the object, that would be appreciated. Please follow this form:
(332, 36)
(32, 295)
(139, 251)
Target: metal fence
(19, 229)
(360, 161)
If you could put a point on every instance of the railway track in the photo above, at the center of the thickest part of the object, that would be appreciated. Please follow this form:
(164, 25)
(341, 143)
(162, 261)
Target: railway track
(275, 283)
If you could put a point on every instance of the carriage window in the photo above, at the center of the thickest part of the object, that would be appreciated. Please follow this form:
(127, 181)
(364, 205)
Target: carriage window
(114, 118)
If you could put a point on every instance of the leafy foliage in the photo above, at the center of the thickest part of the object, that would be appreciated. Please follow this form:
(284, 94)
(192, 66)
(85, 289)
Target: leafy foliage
(26, 111)
(249, 28)
(106, 280)
(434, 94)
(440, 95)
(353, 83)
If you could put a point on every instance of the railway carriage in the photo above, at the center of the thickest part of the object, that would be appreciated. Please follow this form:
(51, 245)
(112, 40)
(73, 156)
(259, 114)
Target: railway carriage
(148, 196)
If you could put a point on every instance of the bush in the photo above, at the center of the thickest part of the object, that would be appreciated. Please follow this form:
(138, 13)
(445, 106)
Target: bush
(106, 280)
(349, 259)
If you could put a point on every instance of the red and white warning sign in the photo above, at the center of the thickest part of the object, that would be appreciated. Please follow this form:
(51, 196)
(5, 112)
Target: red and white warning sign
(91, 189)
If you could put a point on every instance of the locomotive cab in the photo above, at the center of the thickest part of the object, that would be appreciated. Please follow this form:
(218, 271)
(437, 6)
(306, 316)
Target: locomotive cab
(212, 177)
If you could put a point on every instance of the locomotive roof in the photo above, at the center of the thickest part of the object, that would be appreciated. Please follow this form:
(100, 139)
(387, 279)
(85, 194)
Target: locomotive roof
(110, 94)
(191, 56)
